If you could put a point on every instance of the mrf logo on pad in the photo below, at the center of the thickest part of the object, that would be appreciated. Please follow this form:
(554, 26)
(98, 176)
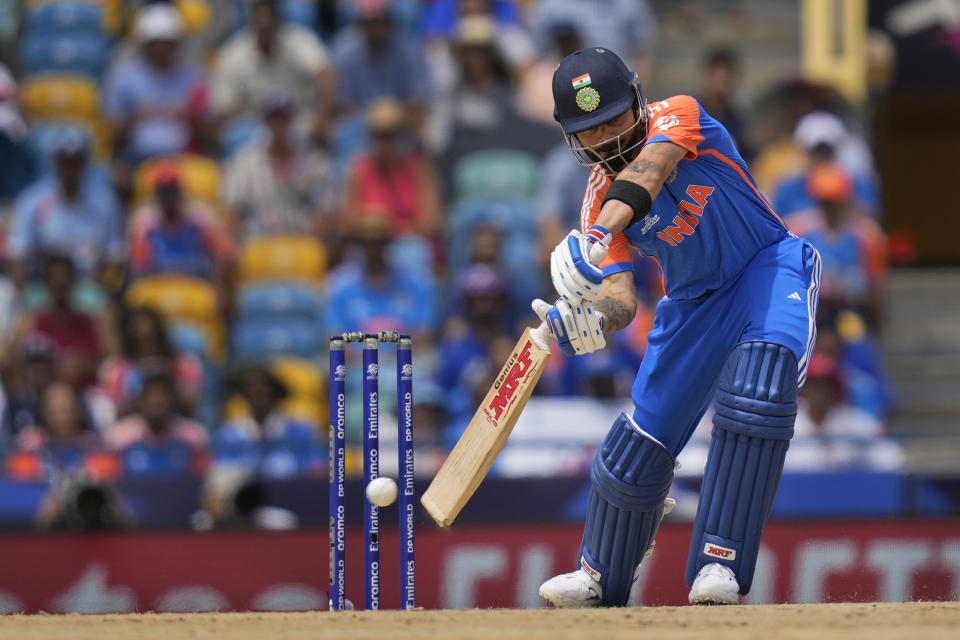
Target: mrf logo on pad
(590, 571)
(513, 375)
(716, 551)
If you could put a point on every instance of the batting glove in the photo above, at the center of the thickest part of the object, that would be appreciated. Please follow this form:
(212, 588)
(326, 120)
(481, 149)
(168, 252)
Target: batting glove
(573, 264)
(577, 328)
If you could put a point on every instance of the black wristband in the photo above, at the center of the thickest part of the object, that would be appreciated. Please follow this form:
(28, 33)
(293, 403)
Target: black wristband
(632, 194)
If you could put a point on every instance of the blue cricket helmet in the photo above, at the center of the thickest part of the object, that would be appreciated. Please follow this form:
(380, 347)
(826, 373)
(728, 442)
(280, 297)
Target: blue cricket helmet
(592, 86)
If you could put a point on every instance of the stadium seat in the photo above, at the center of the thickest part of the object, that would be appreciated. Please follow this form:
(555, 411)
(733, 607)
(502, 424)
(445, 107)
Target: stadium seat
(257, 340)
(43, 133)
(301, 377)
(201, 177)
(51, 18)
(183, 300)
(196, 14)
(60, 96)
(348, 139)
(176, 297)
(290, 258)
(187, 337)
(496, 172)
(238, 133)
(64, 52)
(272, 298)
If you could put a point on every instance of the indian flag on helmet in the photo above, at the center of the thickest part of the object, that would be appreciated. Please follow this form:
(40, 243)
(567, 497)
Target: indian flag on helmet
(581, 81)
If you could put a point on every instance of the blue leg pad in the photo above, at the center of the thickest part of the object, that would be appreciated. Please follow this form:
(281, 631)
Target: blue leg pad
(630, 478)
(755, 411)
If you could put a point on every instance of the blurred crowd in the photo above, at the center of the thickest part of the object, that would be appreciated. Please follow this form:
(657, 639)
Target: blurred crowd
(194, 194)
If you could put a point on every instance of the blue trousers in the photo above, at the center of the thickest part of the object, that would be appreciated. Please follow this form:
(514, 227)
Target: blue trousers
(773, 299)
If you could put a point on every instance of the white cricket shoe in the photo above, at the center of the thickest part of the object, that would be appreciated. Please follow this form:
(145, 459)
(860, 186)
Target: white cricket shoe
(575, 590)
(715, 584)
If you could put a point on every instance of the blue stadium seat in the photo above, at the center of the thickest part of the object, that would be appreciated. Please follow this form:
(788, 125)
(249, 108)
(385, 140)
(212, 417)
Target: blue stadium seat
(190, 338)
(51, 18)
(349, 138)
(81, 53)
(302, 12)
(256, 339)
(287, 299)
(238, 133)
(496, 172)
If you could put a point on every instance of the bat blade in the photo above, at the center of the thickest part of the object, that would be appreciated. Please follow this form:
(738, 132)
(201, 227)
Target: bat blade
(484, 438)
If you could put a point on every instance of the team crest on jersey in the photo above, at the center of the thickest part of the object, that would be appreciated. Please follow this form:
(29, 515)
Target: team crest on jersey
(588, 99)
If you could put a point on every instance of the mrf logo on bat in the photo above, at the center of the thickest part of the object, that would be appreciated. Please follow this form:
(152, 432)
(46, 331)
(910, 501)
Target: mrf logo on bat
(514, 373)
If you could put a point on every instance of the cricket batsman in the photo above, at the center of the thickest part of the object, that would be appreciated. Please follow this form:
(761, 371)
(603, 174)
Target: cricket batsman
(736, 326)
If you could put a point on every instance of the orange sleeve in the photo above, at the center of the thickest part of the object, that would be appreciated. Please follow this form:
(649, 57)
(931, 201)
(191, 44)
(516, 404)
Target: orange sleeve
(676, 120)
(619, 257)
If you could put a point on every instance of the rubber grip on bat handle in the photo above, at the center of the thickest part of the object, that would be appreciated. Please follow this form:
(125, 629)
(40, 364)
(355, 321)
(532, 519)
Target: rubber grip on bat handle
(541, 336)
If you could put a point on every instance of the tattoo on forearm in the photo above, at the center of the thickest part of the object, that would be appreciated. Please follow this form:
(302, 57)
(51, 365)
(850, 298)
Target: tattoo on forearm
(616, 314)
(642, 166)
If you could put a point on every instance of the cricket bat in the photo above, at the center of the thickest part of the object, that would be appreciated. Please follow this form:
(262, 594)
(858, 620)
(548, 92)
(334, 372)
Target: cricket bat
(471, 458)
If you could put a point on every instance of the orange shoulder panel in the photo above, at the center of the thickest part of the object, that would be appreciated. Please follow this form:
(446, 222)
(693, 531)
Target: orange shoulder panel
(677, 119)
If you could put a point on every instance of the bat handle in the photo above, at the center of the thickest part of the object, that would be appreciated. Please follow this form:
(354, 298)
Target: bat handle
(541, 336)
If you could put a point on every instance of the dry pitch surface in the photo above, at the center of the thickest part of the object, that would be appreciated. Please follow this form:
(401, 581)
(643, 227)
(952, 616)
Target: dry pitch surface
(913, 621)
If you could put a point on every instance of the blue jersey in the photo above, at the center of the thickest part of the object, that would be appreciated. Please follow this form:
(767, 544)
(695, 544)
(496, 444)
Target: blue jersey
(708, 221)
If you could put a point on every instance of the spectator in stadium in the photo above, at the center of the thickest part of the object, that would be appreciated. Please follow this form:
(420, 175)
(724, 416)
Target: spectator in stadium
(483, 312)
(626, 27)
(375, 295)
(279, 184)
(374, 59)
(444, 20)
(851, 245)
(270, 55)
(829, 433)
(145, 346)
(267, 439)
(393, 177)
(481, 96)
(26, 376)
(63, 428)
(72, 211)
(719, 81)
(175, 235)
(77, 336)
(536, 94)
(442, 16)
(17, 166)
(156, 420)
(156, 103)
(825, 139)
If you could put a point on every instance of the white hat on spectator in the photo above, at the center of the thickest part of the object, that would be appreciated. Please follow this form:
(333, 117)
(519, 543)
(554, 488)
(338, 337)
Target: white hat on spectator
(820, 127)
(159, 21)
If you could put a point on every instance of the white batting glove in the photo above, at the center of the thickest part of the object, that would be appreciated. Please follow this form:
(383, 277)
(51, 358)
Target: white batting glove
(578, 328)
(573, 264)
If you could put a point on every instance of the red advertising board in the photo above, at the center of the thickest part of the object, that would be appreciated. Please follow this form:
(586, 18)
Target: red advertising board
(496, 566)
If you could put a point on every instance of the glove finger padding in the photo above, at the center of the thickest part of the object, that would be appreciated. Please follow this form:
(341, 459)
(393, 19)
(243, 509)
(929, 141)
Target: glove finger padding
(577, 328)
(566, 290)
(575, 276)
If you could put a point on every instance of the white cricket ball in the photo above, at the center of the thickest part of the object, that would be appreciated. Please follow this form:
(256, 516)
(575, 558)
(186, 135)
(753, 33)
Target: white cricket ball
(382, 491)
